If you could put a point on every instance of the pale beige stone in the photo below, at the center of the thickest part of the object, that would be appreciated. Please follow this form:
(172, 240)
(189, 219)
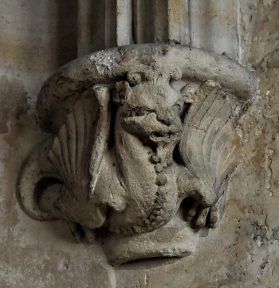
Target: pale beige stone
(242, 251)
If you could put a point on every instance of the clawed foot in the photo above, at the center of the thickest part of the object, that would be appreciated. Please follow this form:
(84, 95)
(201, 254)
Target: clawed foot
(81, 234)
(201, 217)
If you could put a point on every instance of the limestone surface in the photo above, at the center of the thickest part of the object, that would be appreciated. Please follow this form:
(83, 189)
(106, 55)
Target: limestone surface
(37, 37)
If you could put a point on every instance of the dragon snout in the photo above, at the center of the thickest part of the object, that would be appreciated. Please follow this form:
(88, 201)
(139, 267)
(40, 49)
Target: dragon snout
(149, 125)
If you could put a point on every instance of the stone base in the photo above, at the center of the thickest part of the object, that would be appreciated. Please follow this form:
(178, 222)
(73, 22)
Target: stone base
(175, 239)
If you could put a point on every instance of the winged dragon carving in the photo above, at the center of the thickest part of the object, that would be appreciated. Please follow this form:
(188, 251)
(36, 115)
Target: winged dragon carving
(138, 136)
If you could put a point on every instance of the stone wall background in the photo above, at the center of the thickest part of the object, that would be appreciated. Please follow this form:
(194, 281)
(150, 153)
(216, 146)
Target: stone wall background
(38, 36)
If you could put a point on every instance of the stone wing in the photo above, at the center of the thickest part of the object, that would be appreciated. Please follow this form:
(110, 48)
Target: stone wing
(78, 147)
(210, 142)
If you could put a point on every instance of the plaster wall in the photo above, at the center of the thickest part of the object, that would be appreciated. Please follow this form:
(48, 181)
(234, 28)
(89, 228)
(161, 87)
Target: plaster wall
(38, 36)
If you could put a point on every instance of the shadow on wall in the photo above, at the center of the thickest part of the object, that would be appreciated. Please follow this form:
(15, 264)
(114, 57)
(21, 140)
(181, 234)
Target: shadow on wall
(37, 36)
(67, 31)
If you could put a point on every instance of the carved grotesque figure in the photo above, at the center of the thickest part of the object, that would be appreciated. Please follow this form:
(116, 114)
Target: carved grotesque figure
(138, 136)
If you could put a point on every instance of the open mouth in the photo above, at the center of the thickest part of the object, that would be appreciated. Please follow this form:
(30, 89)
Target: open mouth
(148, 125)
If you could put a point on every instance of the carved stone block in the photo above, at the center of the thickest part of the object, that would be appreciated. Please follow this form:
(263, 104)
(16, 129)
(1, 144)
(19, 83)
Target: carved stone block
(143, 141)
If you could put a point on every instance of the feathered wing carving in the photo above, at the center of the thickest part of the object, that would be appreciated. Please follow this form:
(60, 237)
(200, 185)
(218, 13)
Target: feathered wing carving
(210, 144)
(77, 152)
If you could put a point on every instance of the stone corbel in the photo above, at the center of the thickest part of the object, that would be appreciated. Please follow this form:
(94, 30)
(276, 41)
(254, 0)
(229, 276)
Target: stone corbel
(142, 145)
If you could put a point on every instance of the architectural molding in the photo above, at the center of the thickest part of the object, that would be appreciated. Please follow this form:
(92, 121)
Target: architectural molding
(143, 140)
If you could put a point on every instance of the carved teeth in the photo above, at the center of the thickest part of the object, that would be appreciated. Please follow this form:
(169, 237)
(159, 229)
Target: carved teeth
(137, 229)
(156, 212)
(159, 219)
(152, 218)
(161, 180)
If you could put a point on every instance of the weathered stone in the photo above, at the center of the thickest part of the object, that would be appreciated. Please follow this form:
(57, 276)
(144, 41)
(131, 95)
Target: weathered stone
(77, 157)
(242, 251)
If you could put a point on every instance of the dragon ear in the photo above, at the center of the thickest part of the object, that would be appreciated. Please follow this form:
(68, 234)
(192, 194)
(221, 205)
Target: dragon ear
(122, 92)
